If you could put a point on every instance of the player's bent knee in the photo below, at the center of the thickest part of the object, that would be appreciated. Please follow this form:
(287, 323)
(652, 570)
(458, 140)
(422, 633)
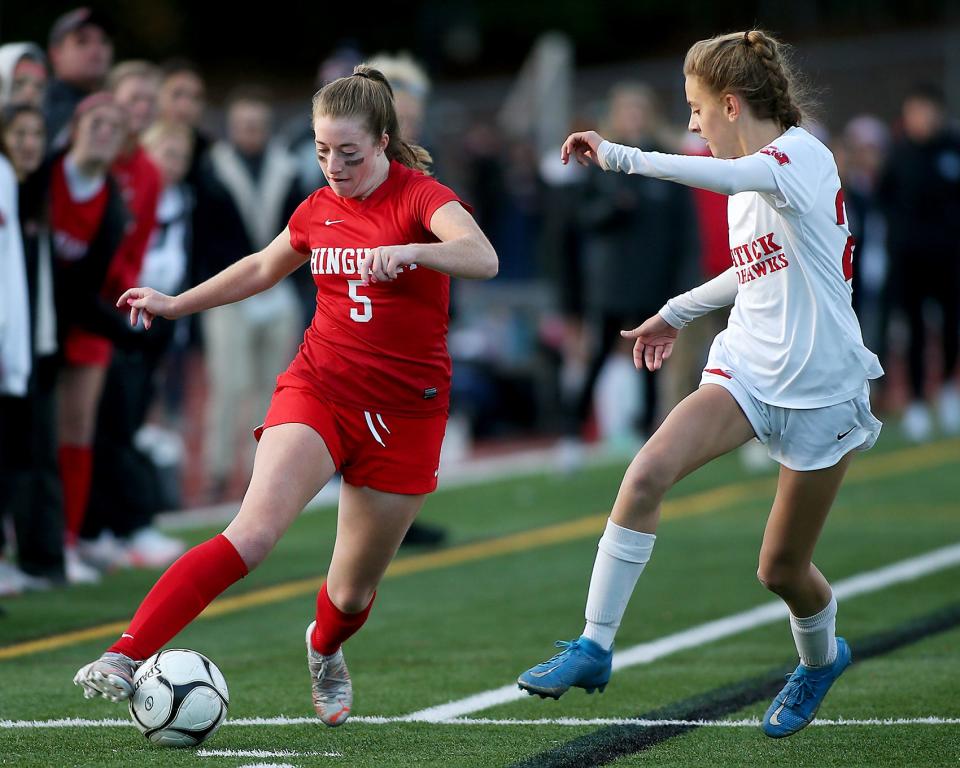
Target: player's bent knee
(778, 576)
(350, 598)
(647, 479)
(253, 547)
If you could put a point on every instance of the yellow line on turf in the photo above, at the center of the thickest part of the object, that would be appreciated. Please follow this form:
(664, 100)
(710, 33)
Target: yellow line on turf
(899, 462)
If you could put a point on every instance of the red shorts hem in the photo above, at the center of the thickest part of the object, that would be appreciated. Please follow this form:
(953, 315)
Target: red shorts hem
(81, 347)
(385, 486)
(385, 452)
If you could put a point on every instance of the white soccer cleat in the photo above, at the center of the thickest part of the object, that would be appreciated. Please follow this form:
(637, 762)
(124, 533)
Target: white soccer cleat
(110, 676)
(148, 548)
(77, 571)
(105, 552)
(917, 424)
(949, 410)
(330, 680)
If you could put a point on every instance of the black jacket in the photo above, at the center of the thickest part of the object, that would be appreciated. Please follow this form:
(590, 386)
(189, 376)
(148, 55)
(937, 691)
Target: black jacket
(639, 241)
(920, 194)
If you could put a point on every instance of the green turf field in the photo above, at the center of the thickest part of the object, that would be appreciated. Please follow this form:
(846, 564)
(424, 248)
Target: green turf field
(468, 618)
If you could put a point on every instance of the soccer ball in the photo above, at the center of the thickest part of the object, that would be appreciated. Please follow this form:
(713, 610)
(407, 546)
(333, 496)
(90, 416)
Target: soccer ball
(179, 698)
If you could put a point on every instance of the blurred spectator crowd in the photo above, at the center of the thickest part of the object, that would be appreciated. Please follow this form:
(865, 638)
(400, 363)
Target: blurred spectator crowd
(110, 179)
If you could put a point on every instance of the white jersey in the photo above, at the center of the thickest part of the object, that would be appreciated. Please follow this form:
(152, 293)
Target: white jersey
(793, 334)
(793, 338)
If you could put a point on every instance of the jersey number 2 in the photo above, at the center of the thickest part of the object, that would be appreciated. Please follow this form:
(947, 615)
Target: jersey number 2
(365, 313)
(851, 241)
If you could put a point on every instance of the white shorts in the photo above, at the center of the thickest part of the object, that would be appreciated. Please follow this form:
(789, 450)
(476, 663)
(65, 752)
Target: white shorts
(802, 439)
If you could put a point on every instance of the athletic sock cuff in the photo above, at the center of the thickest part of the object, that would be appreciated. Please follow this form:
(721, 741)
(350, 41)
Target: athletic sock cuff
(237, 566)
(626, 544)
(819, 620)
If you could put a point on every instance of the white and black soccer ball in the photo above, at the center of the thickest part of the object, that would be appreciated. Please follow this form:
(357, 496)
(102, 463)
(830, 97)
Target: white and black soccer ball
(179, 698)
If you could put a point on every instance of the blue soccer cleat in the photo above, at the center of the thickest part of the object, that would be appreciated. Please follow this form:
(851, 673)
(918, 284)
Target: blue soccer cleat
(581, 664)
(797, 703)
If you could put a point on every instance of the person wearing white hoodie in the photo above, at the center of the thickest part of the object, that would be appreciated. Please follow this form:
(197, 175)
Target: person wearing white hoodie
(14, 311)
(23, 74)
(15, 357)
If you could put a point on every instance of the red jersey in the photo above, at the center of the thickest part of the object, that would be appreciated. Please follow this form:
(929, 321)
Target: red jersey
(140, 183)
(382, 346)
(73, 224)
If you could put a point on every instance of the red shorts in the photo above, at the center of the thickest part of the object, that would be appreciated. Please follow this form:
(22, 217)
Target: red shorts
(394, 454)
(84, 348)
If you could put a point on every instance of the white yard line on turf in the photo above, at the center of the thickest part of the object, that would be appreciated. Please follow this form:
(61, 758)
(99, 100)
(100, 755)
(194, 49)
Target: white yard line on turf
(454, 711)
(281, 721)
(644, 653)
(262, 753)
(267, 765)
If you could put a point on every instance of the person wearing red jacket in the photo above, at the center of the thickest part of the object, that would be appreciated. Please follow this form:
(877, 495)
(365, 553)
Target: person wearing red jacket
(117, 526)
(87, 220)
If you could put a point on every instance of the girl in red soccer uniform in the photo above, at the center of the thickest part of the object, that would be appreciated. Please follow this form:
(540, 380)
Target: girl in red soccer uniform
(88, 219)
(366, 395)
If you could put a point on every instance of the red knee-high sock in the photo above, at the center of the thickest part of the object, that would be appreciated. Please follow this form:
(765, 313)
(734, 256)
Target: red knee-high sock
(187, 587)
(333, 626)
(76, 471)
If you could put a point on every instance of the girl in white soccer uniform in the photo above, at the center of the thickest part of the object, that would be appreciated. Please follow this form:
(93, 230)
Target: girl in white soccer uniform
(790, 368)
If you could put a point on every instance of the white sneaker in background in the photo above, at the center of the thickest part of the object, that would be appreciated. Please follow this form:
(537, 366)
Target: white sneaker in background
(77, 571)
(11, 580)
(105, 552)
(148, 548)
(917, 425)
(570, 455)
(754, 457)
(35, 583)
(949, 409)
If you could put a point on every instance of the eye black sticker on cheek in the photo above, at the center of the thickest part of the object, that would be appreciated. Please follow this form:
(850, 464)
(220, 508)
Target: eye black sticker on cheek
(353, 163)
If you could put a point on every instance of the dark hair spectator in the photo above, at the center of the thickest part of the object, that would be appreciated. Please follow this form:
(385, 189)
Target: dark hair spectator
(81, 52)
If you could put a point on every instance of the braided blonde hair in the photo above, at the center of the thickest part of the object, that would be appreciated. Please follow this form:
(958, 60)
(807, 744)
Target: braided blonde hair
(755, 66)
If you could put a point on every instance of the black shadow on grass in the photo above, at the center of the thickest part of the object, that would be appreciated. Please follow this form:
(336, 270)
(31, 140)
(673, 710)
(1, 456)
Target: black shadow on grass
(613, 742)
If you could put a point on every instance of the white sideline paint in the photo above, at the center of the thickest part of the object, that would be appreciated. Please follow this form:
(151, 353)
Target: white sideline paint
(262, 753)
(644, 653)
(282, 720)
(268, 765)
(452, 713)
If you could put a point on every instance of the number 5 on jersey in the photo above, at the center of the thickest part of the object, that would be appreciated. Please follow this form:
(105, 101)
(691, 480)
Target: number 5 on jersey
(365, 313)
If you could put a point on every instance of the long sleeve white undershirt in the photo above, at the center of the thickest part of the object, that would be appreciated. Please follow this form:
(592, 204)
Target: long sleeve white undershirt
(714, 294)
(728, 177)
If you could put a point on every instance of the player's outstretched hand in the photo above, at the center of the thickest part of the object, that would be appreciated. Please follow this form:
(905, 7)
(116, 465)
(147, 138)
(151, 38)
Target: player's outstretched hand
(655, 337)
(385, 262)
(583, 146)
(146, 303)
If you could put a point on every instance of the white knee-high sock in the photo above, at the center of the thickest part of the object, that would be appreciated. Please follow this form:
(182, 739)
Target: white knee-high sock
(621, 557)
(816, 636)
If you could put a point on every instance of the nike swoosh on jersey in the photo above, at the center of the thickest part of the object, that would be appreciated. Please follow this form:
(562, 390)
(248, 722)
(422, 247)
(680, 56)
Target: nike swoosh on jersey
(127, 634)
(843, 435)
(328, 222)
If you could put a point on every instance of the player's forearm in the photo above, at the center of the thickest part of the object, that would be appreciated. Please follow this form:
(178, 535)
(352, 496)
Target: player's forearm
(242, 279)
(469, 258)
(728, 177)
(714, 294)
